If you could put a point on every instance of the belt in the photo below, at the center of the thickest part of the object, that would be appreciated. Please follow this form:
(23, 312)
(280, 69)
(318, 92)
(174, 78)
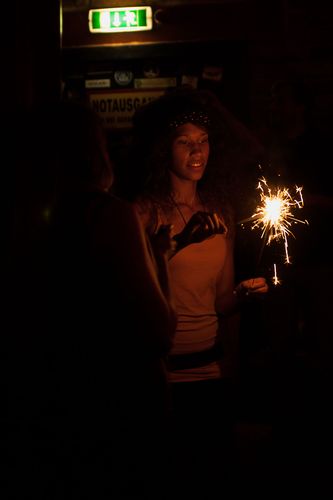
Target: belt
(195, 359)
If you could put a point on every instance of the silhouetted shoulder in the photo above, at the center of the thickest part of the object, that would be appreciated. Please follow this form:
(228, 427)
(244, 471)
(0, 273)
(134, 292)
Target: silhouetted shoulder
(120, 212)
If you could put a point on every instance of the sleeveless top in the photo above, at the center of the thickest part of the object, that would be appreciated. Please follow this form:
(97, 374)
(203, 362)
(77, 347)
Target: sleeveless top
(193, 273)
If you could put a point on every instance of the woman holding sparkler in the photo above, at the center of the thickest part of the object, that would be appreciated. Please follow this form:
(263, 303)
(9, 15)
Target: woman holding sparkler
(180, 135)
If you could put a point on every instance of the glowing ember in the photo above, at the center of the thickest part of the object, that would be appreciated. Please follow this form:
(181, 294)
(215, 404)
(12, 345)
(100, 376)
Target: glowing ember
(275, 278)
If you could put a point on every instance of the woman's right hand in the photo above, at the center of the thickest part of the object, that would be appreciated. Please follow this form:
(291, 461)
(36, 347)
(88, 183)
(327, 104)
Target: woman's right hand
(201, 226)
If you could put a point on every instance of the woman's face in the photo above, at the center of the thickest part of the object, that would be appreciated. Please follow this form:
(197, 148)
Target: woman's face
(190, 152)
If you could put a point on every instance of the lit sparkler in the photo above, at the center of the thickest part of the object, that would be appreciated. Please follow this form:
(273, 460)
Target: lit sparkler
(274, 216)
(275, 278)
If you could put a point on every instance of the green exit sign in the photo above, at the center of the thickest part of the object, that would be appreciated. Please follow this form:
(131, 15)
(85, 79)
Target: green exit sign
(122, 19)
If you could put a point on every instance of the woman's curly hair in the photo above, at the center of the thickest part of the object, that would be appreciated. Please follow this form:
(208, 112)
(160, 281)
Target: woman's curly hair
(154, 130)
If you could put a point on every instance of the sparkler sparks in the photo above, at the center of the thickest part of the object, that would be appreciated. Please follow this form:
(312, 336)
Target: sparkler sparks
(274, 216)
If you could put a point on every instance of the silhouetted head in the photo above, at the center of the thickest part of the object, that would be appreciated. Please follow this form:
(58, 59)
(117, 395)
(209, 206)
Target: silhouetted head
(82, 152)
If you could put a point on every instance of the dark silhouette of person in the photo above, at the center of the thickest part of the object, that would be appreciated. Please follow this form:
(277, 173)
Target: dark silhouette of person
(91, 323)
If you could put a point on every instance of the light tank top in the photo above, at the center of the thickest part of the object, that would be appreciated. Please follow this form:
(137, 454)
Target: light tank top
(193, 277)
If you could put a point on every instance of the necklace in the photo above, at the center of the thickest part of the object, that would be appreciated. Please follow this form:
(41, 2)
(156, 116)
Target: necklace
(175, 204)
(179, 211)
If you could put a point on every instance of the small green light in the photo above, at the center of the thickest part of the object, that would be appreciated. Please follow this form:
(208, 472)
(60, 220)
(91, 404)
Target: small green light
(123, 19)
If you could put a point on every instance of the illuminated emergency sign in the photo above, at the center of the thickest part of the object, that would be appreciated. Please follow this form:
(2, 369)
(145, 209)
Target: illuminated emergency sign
(122, 19)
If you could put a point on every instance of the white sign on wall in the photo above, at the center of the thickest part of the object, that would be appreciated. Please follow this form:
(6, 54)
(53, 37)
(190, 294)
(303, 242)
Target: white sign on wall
(117, 108)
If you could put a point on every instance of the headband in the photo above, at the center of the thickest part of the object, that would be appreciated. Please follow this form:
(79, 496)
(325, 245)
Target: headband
(199, 117)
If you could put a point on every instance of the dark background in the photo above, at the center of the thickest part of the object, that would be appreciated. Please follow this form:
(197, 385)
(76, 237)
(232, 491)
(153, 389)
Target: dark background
(285, 387)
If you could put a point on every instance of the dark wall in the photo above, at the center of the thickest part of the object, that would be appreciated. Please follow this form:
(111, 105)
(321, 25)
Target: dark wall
(37, 53)
(281, 38)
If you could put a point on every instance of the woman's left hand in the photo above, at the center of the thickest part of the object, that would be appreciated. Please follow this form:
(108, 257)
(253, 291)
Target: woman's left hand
(250, 287)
